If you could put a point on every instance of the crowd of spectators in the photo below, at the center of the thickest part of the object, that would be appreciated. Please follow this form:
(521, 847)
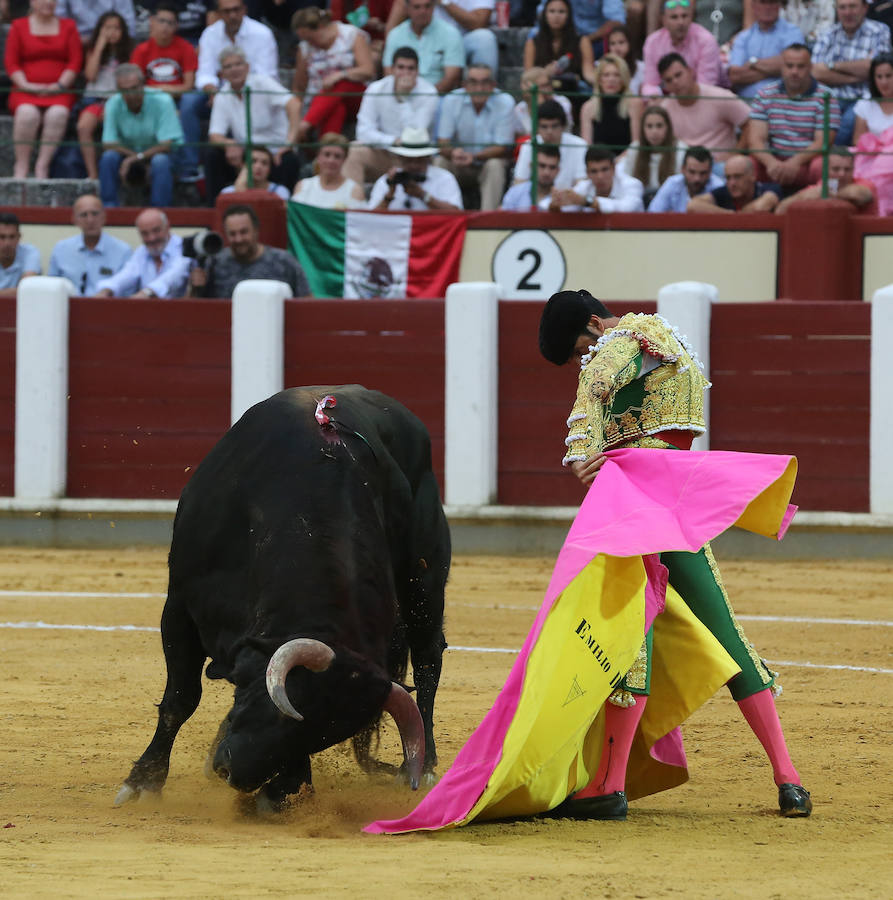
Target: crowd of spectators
(664, 105)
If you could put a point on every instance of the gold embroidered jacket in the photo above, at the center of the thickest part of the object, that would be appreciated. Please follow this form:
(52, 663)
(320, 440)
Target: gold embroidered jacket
(639, 378)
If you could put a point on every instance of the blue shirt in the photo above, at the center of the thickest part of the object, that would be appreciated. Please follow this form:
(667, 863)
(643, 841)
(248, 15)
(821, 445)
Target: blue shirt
(27, 259)
(471, 130)
(83, 266)
(440, 45)
(156, 122)
(762, 44)
(835, 45)
(673, 195)
(517, 199)
(140, 272)
(590, 15)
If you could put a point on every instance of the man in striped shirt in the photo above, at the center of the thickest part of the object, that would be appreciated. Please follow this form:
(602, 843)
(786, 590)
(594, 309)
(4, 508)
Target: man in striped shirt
(787, 122)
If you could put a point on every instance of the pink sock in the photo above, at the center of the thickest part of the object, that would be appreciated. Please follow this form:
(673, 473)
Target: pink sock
(621, 723)
(759, 710)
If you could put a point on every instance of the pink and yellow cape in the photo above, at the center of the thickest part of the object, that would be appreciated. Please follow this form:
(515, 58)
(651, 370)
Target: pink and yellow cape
(542, 738)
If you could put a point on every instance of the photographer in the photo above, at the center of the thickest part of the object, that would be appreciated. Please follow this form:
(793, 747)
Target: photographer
(416, 184)
(245, 258)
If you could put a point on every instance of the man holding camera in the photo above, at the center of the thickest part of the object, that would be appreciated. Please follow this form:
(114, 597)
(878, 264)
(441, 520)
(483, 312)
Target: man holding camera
(140, 128)
(156, 269)
(245, 258)
(415, 184)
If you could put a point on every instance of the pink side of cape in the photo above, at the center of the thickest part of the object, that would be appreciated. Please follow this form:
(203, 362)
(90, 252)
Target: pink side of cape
(642, 503)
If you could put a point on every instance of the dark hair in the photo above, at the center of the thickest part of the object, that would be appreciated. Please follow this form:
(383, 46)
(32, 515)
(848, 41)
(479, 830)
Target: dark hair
(121, 50)
(565, 317)
(797, 46)
(630, 58)
(553, 151)
(241, 209)
(257, 148)
(406, 53)
(701, 154)
(598, 153)
(568, 40)
(7, 218)
(840, 150)
(551, 110)
(668, 59)
(667, 151)
(168, 7)
(879, 60)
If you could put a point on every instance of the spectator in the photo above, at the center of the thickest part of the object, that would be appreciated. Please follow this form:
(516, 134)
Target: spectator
(389, 105)
(92, 255)
(517, 197)
(17, 260)
(756, 53)
(607, 116)
(275, 120)
(723, 19)
(437, 43)
(169, 63)
(330, 187)
(875, 115)
(157, 268)
(108, 48)
(858, 192)
(787, 123)
(521, 118)
(619, 44)
(472, 20)
(698, 115)
(370, 15)
(696, 177)
(415, 184)
(594, 19)
(551, 122)
(43, 58)
(557, 47)
(193, 16)
(86, 13)
(246, 258)
(332, 66)
(234, 28)
(684, 37)
(604, 189)
(741, 192)
(658, 154)
(140, 128)
(812, 17)
(841, 59)
(261, 163)
(475, 135)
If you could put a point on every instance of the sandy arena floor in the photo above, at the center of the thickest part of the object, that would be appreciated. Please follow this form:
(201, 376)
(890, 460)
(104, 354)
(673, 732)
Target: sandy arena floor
(78, 707)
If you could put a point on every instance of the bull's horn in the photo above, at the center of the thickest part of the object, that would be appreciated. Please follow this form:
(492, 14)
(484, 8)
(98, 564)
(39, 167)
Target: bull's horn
(406, 714)
(313, 655)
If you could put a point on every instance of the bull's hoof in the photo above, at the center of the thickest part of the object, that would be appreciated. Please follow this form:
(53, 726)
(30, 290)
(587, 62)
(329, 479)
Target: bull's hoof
(429, 779)
(126, 794)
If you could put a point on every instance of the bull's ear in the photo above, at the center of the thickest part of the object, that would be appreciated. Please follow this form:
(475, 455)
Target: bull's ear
(250, 665)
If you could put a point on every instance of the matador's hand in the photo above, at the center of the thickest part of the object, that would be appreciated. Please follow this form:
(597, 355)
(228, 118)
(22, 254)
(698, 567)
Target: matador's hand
(587, 469)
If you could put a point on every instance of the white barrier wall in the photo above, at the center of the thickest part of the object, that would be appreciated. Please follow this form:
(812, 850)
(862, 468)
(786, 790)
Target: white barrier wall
(687, 305)
(880, 477)
(472, 365)
(257, 342)
(41, 412)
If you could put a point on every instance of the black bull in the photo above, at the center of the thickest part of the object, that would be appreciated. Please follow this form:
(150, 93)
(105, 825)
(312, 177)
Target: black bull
(315, 531)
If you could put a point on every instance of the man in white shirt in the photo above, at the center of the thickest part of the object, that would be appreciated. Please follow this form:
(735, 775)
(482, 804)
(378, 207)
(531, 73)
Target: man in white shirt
(275, 122)
(415, 184)
(397, 101)
(551, 120)
(157, 268)
(604, 190)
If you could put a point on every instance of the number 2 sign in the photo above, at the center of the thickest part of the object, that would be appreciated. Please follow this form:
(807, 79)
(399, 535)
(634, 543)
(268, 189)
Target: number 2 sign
(529, 265)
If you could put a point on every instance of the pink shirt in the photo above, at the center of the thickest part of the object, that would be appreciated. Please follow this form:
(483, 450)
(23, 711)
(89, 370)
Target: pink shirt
(699, 50)
(707, 122)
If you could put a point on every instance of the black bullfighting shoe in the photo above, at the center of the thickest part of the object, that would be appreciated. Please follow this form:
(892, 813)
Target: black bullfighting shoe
(607, 806)
(793, 801)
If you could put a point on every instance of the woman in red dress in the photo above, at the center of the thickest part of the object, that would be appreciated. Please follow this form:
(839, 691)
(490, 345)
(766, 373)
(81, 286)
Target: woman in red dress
(43, 59)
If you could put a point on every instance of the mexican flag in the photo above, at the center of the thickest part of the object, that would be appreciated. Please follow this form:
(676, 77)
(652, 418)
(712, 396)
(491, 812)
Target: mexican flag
(364, 254)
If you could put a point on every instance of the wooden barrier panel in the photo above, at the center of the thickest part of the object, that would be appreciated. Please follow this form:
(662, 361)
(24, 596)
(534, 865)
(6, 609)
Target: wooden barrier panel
(535, 399)
(394, 346)
(149, 393)
(795, 378)
(7, 394)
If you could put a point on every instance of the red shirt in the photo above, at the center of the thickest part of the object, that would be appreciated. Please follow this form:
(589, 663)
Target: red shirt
(165, 65)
